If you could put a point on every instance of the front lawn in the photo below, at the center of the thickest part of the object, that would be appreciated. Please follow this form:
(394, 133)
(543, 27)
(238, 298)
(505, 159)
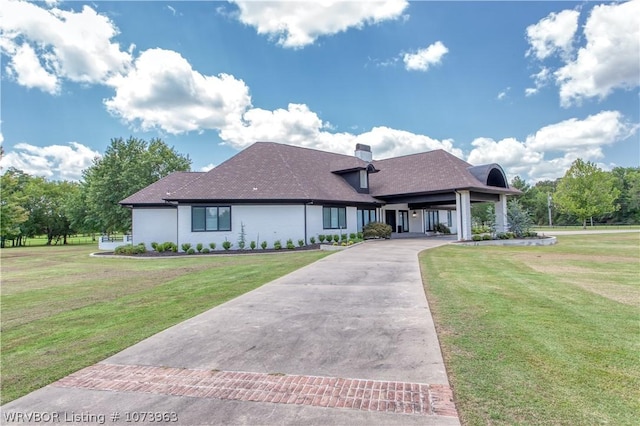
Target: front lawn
(540, 335)
(63, 310)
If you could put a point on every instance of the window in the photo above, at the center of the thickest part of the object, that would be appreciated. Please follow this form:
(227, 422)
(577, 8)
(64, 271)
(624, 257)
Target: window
(210, 218)
(334, 217)
(431, 220)
(365, 216)
(364, 179)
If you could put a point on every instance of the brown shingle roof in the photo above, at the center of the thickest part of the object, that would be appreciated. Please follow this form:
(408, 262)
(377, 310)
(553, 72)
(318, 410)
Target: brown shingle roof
(157, 192)
(272, 171)
(268, 171)
(432, 171)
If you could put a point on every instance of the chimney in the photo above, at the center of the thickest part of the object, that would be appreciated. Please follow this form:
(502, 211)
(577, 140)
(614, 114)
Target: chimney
(363, 152)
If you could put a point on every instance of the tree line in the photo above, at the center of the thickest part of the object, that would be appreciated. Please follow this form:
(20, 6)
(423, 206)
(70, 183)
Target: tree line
(32, 206)
(585, 194)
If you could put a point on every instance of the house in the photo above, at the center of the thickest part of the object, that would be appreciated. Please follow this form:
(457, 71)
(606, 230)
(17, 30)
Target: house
(273, 191)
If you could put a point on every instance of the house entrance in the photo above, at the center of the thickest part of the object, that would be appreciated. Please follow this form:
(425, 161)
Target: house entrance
(390, 219)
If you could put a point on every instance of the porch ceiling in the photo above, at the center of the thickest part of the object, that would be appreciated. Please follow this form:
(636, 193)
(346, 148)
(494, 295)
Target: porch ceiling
(419, 201)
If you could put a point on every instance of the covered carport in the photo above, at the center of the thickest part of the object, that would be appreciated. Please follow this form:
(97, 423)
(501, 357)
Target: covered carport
(471, 184)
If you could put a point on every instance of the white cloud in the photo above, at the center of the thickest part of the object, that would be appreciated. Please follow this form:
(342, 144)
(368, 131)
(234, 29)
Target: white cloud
(422, 59)
(503, 94)
(604, 128)
(48, 44)
(163, 91)
(548, 153)
(386, 142)
(25, 67)
(553, 34)
(609, 60)
(541, 79)
(207, 167)
(298, 125)
(298, 24)
(64, 162)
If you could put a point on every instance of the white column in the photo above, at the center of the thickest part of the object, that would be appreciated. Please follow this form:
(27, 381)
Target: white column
(502, 224)
(463, 215)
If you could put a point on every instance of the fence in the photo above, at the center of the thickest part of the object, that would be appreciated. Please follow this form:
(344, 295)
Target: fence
(110, 242)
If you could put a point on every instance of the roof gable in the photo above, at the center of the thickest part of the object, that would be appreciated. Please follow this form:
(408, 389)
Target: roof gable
(157, 192)
(432, 171)
(268, 171)
(273, 171)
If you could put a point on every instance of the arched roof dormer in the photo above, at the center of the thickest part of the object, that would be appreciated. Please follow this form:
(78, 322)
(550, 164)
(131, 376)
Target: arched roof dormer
(490, 175)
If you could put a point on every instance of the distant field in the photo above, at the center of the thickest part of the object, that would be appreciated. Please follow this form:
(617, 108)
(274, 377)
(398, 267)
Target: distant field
(63, 310)
(73, 240)
(579, 227)
(540, 335)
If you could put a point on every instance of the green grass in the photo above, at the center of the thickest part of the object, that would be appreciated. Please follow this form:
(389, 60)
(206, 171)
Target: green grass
(600, 227)
(540, 335)
(63, 310)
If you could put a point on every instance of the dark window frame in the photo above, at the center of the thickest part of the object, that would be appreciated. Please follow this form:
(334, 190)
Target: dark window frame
(337, 211)
(362, 216)
(204, 208)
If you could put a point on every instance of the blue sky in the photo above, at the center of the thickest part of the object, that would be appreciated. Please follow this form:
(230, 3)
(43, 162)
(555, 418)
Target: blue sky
(529, 85)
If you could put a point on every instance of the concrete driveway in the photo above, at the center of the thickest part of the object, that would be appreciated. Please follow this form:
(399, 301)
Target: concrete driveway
(346, 340)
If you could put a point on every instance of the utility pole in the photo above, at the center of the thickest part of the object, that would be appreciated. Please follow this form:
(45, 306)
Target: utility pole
(549, 208)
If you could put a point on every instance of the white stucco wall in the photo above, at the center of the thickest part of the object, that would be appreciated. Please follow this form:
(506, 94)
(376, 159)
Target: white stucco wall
(154, 225)
(263, 223)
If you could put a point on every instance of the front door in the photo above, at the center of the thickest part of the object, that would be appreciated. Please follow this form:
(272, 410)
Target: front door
(404, 220)
(390, 219)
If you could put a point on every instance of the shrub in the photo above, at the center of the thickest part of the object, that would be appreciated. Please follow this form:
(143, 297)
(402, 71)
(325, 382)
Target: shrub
(185, 246)
(242, 237)
(199, 247)
(160, 248)
(344, 237)
(344, 244)
(510, 235)
(129, 249)
(312, 240)
(376, 230)
(277, 245)
(263, 245)
(352, 236)
(476, 237)
(442, 228)
(191, 251)
(519, 220)
(350, 242)
(336, 238)
(359, 235)
(212, 246)
(226, 245)
(502, 235)
(205, 250)
(290, 245)
(300, 243)
(154, 246)
(480, 229)
(487, 237)
(167, 246)
(252, 245)
(321, 237)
